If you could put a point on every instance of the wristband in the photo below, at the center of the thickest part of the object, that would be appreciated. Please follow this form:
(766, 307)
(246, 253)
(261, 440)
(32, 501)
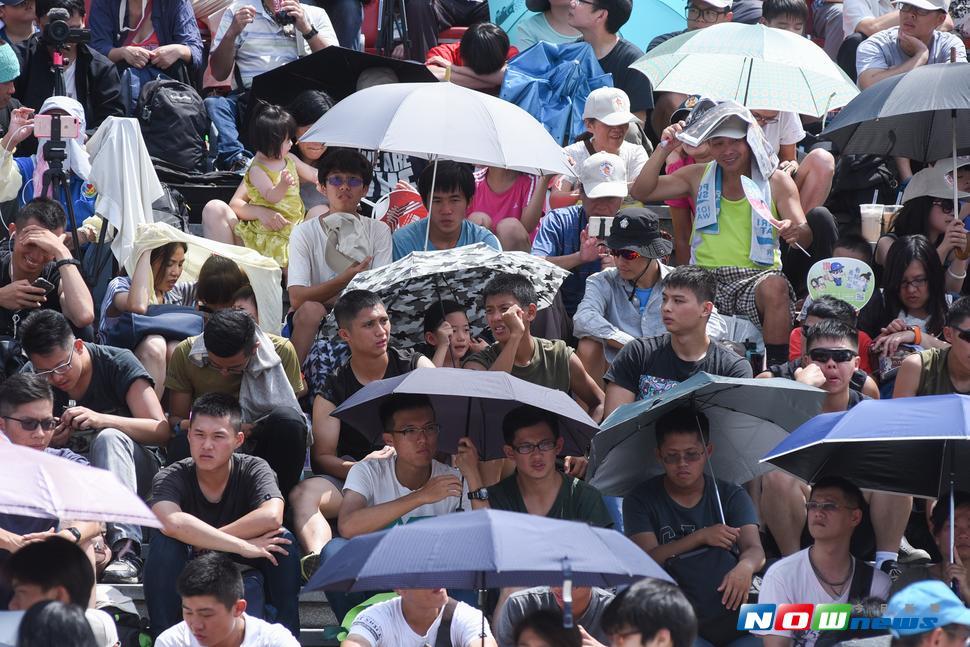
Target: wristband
(917, 335)
(310, 34)
(67, 261)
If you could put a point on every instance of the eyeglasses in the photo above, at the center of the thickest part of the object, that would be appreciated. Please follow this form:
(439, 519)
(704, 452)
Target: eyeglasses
(589, 2)
(528, 448)
(60, 369)
(764, 121)
(625, 254)
(31, 424)
(946, 206)
(704, 15)
(916, 11)
(823, 355)
(677, 459)
(961, 333)
(919, 283)
(339, 180)
(427, 431)
(825, 506)
(234, 370)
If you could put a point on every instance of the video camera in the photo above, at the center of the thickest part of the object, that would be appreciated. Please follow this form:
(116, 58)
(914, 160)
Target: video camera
(57, 32)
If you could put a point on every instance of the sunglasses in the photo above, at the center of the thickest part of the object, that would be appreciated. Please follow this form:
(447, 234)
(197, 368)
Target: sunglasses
(946, 206)
(675, 458)
(31, 424)
(352, 182)
(625, 254)
(823, 355)
(961, 333)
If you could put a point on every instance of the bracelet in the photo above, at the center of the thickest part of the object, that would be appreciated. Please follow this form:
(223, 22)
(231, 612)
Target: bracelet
(448, 73)
(310, 34)
(917, 335)
(956, 276)
(67, 261)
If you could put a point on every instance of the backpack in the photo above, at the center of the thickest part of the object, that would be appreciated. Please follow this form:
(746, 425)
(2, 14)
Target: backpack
(174, 123)
(857, 178)
(171, 209)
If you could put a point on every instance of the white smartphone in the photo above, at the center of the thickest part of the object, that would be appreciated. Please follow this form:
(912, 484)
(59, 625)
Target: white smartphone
(599, 226)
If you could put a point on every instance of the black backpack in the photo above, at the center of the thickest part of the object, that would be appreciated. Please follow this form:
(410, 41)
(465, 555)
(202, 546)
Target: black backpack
(174, 123)
(171, 209)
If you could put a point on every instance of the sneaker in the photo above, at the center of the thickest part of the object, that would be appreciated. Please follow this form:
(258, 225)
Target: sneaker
(124, 569)
(309, 565)
(891, 568)
(910, 555)
(240, 165)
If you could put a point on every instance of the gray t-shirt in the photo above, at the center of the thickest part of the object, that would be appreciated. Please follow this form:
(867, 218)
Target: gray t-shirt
(881, 51)
(522, 604)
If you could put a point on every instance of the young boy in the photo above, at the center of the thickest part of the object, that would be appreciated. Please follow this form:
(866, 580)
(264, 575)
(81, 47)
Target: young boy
(532, 442)
(214, 611)
(477, 61)
(447, 335)
(677, 513)
(365, 327)
(510, 307)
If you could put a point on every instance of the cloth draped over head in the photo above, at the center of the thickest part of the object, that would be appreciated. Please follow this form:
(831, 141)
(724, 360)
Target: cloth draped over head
(263, 273)
(77, 160)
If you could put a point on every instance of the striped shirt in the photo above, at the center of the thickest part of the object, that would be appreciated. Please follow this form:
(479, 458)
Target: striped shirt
(263, 45)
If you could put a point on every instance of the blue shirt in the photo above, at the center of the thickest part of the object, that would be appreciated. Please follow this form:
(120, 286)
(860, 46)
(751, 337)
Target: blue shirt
(83, 194)
(558, 235)
(411, 238)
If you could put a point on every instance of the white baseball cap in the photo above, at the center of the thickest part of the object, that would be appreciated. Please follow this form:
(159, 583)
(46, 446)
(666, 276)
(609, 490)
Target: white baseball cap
(929, 5)
(603, 175)
(732, 127)
(609, 105)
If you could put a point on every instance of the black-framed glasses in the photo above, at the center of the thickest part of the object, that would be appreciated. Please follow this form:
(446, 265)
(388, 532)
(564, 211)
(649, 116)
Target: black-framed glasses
(961, 333)
(946, 206)
(918, 283)
(528, 448)
(824, 355)
(763, 120)
(61, 368)
(591, 3)
(826, 506)
(31, 424)
(625, 254)
(703, 15)
(427, 431)
(339, 180)
(677, 458)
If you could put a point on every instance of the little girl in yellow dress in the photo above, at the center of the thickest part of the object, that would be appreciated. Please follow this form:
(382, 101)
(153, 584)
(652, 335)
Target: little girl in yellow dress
(273, 182)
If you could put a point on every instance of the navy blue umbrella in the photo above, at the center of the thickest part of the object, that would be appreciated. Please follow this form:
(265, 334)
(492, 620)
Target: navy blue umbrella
(469, 403)
(904, 446)
(485, 549)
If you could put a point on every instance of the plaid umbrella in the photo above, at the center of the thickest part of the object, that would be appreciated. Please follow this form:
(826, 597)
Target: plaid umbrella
(412, 284)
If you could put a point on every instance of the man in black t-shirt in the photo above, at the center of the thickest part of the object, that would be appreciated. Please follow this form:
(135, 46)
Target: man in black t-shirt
(38, 252)
(645, 368)
(108, 412)
(363, 323)
(223, 501)
(599, 23)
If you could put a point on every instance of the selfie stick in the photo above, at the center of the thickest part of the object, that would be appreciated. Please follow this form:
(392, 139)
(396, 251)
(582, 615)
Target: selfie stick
(55, 152)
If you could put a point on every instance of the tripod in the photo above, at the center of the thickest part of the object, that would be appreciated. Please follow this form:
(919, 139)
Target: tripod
(392, 14)
(55, 182)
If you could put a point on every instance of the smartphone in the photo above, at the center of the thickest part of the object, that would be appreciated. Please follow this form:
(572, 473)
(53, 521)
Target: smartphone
(70, 126)
(599, 226)
(42, 283)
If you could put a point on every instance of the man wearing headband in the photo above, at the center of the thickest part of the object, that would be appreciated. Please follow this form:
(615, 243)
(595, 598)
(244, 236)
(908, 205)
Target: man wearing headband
(732, 235)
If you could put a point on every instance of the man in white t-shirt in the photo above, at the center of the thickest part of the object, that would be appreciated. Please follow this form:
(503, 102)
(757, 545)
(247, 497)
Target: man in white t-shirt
(214, 610)
(414, 619)
(406, 486)
(825, 572)
(312, 280)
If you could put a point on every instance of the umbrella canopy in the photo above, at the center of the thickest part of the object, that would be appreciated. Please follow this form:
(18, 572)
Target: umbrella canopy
(757, 66)
(651, 18)
(410, 285)
(485, 549)
(469, 403)
(911, 115)
(746, 415)
(37, 484)
(508, 13)
(551, 83)
(441, 120)
(334, 70)
(903, 445)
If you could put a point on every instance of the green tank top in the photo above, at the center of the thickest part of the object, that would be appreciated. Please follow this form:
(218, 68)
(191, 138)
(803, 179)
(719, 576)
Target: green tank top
(935, 376)
(732, 245)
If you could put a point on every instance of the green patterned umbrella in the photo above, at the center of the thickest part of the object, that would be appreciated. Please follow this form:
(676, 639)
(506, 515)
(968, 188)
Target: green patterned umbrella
(757, 66)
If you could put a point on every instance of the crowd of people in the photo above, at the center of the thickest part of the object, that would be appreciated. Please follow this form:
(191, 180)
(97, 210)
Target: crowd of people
(171, 371)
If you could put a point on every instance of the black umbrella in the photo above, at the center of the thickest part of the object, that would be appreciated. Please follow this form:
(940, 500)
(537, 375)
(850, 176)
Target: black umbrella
(334, 70)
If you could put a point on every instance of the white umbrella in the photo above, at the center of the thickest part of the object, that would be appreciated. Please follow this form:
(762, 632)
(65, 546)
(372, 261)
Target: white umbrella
(36, 484)
(759, 67)
(441, 121)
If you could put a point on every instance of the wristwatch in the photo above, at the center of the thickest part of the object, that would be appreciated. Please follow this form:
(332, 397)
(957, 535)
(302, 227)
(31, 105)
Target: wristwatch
(77, 534)
(310, 34)
(481, 494)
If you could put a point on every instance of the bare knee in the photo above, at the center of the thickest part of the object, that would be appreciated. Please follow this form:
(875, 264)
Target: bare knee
(152, 349)
(311, 313)
(512, 235)
(820, 162)
(781, 485)
(305, 497)
(481, 219)
(772, 291)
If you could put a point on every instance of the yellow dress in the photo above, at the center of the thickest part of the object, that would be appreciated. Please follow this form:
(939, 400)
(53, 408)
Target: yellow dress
(274, 244)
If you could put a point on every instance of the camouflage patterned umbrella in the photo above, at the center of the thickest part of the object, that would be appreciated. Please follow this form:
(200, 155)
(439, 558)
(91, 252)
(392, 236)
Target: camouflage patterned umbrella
(408, 286)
